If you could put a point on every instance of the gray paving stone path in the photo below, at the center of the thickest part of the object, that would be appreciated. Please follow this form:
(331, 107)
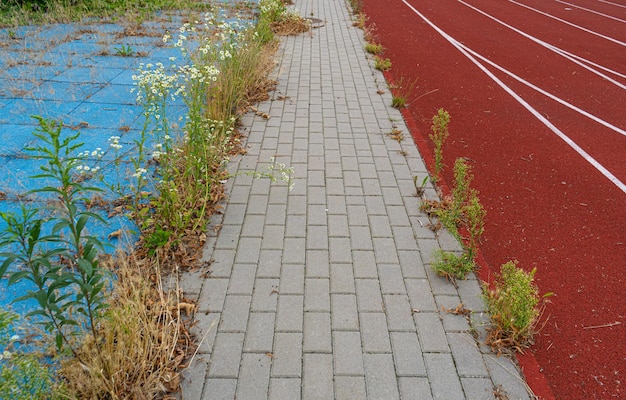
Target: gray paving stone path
(325, 291)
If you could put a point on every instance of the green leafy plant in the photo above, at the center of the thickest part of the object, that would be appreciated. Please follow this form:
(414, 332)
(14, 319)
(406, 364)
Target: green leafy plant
(474, 214)
(22, 376)
(462, 210)
(382, 64)
(27, 377)
(124, 51)
(63, 266)
(374, 48)
(439, 136)
(28, 12)
(513, 304)
(451, 265)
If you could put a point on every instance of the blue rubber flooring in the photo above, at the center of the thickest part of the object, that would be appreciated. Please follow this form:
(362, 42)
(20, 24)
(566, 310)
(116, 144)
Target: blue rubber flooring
(75, 73)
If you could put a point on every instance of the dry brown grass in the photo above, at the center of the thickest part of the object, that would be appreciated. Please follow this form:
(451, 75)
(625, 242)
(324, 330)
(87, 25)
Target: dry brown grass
(291, 24)
(144, 340)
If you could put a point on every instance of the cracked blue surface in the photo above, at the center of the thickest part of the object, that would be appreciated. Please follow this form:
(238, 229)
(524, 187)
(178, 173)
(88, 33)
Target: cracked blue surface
(71, 73)
(74, 73)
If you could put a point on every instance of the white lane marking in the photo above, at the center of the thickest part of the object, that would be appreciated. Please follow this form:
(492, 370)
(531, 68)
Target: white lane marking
(545, 93)
(572, 57)
(611, 3)
(592, 11)
(592, 63)
(620, 185)
(570, 24)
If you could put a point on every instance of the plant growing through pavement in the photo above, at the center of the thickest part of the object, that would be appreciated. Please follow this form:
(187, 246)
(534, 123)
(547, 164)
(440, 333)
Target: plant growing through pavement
(382, 64)
(513, 304)
(374, 48)
(439, 136)
(402, 91)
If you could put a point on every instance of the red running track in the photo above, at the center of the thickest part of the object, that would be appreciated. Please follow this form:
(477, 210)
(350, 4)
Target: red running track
(554, 206)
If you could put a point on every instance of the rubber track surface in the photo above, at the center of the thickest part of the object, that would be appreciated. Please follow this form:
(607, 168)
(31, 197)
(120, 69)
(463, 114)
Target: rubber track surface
(547, 207)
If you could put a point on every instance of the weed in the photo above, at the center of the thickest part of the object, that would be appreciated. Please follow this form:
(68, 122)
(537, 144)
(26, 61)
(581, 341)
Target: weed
(420, 188)
(217, 82)
(360, 20)
(374, 48)
(439, 136)
(64, 265)
(158, 238)
(382, 64)
(22, 376)
(462, 210)
(401, 92)
(452, 266)
(280, 20)
(514, 308)
(28, 12)
(143, 334)
(461, 191)
(357, 6)
(474, 221)
(124, 51)
(275, 172)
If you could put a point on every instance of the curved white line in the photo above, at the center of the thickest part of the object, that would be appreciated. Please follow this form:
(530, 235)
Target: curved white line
(611, 3)
(569, 23)
(584, 60)
(620, 185)
(572, 57)
(592, 11)
(545, 93)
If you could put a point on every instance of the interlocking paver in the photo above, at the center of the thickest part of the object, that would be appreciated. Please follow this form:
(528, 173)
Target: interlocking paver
(317, 338)
(430, 329)
(235, 313)
(374, 332)
(444, 381)
(254, 377)
(369, 297)
(222, 389)
(341, 278)
(242, 279)
(347, 351)
(317, 382)
(380, 377)
(317, 265)
(345, 315)
(412, 388)
(292, 279)
(391, 280)
(326, 291)
(350, 388)
(285, 389)
(398, 310)
(260, 333)
(226, 355)
(287, 356)
(265, 295)
(290, 314)
(317, 295)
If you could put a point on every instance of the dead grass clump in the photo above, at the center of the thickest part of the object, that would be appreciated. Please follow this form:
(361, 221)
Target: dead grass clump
(290, 24)
(143, 341)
